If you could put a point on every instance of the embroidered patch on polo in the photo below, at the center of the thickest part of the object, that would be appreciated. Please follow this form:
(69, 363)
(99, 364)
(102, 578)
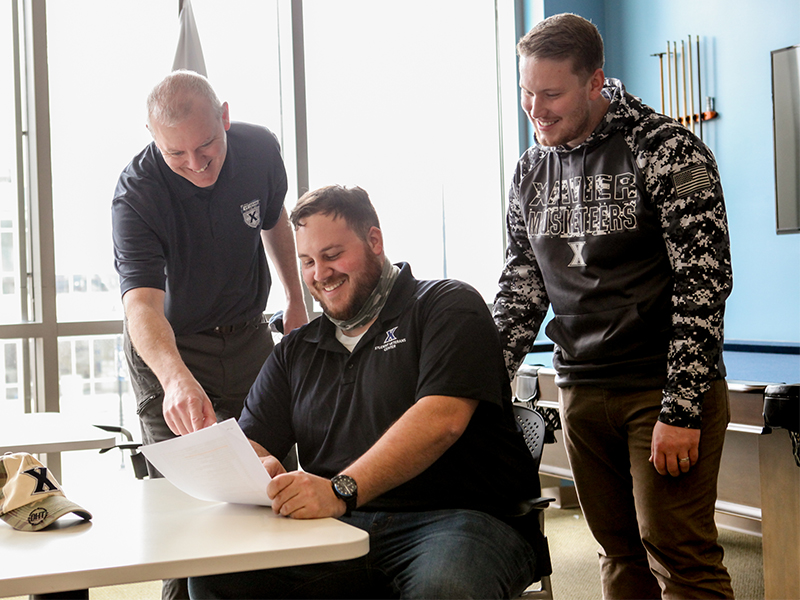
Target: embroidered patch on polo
(691, 180)
(251, 213)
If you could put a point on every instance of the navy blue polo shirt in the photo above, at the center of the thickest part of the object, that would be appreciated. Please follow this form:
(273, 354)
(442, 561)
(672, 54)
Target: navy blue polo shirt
(431, 338)
(201, 246)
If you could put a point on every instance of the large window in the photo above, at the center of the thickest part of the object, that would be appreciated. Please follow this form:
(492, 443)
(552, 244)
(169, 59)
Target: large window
(117, 70)
(102, 59)
(10, 272)
(10, 378)
(60, 310)
(402, 99)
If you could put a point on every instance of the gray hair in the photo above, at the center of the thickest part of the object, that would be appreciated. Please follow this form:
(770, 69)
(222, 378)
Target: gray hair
(172, 100)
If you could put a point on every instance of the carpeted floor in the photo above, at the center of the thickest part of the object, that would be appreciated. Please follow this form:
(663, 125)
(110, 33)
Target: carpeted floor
(149, 590)
(576, 573)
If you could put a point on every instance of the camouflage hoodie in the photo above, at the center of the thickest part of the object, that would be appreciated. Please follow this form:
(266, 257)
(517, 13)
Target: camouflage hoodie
(626, 237)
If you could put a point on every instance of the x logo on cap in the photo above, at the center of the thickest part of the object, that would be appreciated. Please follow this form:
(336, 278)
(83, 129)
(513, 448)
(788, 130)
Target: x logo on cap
(43, 484)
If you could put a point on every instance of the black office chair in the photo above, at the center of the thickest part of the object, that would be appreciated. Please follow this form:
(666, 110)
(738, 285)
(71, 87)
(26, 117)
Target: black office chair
(137, 458)
(533, 430)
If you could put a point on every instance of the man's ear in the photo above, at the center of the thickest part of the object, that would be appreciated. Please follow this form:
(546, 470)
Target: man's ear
(597, 81)
(375, 240)
(226, 116)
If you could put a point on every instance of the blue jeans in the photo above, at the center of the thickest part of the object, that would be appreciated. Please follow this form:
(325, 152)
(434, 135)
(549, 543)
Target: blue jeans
(432, 554)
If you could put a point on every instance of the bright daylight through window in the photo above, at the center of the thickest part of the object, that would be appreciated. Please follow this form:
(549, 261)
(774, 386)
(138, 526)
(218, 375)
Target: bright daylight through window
(388, 108)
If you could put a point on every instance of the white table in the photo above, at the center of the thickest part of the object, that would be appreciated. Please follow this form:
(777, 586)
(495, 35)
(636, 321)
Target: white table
(145, 530)
(51, 434)
(39, 433)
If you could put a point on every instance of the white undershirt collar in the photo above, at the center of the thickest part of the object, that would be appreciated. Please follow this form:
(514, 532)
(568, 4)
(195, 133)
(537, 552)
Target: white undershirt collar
(349, 342)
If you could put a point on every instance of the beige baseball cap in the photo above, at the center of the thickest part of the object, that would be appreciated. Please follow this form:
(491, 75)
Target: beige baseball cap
(30, 497)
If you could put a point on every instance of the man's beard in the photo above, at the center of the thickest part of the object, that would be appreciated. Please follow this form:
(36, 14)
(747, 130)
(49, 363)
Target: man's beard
(362, 287)
(579, 130)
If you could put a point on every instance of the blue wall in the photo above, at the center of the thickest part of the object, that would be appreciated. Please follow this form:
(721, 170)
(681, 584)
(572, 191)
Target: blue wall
(736, 38)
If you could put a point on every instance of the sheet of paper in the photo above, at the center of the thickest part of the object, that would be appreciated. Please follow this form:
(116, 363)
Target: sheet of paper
(215, 463)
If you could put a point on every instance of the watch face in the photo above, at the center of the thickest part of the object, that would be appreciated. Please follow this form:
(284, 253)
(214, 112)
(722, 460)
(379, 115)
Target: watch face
(345, 485)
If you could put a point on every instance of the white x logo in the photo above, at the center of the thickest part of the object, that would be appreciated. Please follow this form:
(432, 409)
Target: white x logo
(577, 254)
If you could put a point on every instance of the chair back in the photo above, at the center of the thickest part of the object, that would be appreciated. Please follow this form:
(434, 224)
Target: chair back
(532, 425)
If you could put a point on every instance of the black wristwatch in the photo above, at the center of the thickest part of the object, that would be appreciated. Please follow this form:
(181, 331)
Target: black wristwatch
(346, 488)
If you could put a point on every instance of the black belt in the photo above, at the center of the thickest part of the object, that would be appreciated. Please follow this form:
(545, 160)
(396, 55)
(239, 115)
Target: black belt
(257, 320)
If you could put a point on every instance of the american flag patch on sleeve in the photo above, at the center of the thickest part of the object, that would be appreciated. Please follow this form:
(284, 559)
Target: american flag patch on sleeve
(690, 180)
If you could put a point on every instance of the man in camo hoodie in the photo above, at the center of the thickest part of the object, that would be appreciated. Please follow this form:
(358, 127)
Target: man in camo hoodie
(616, 220)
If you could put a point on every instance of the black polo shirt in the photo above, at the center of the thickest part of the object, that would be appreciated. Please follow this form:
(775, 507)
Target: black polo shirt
(201, 246)
(431, 338)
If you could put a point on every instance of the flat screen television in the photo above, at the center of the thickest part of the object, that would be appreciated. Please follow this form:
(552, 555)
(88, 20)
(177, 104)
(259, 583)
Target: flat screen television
(786, 126)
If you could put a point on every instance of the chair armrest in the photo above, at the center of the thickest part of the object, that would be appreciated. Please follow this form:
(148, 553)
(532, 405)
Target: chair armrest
(528, 506)
(116, 429)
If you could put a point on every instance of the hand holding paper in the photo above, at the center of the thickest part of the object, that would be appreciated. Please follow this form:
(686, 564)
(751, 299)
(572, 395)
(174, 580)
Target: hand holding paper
(216, 463)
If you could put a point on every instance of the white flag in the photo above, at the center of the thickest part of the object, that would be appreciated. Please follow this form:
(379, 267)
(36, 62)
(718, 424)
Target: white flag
(189, 54)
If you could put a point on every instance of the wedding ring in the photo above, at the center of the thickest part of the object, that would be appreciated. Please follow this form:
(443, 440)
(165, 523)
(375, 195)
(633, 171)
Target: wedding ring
(684, 459)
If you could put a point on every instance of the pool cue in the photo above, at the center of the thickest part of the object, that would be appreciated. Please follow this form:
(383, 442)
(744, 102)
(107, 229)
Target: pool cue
(699, 91)
(669, 78)
(683, 67)
(677, 92)
(661, 79)
(691, 80)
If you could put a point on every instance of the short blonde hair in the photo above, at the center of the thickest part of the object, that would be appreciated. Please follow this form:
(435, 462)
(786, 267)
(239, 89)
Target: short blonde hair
(172, 100)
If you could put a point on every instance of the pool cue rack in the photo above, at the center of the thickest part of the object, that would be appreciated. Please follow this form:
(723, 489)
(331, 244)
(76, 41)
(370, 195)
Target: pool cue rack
(680, 77)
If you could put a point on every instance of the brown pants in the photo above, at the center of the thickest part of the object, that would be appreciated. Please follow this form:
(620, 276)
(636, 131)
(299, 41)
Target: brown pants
(657, 533)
